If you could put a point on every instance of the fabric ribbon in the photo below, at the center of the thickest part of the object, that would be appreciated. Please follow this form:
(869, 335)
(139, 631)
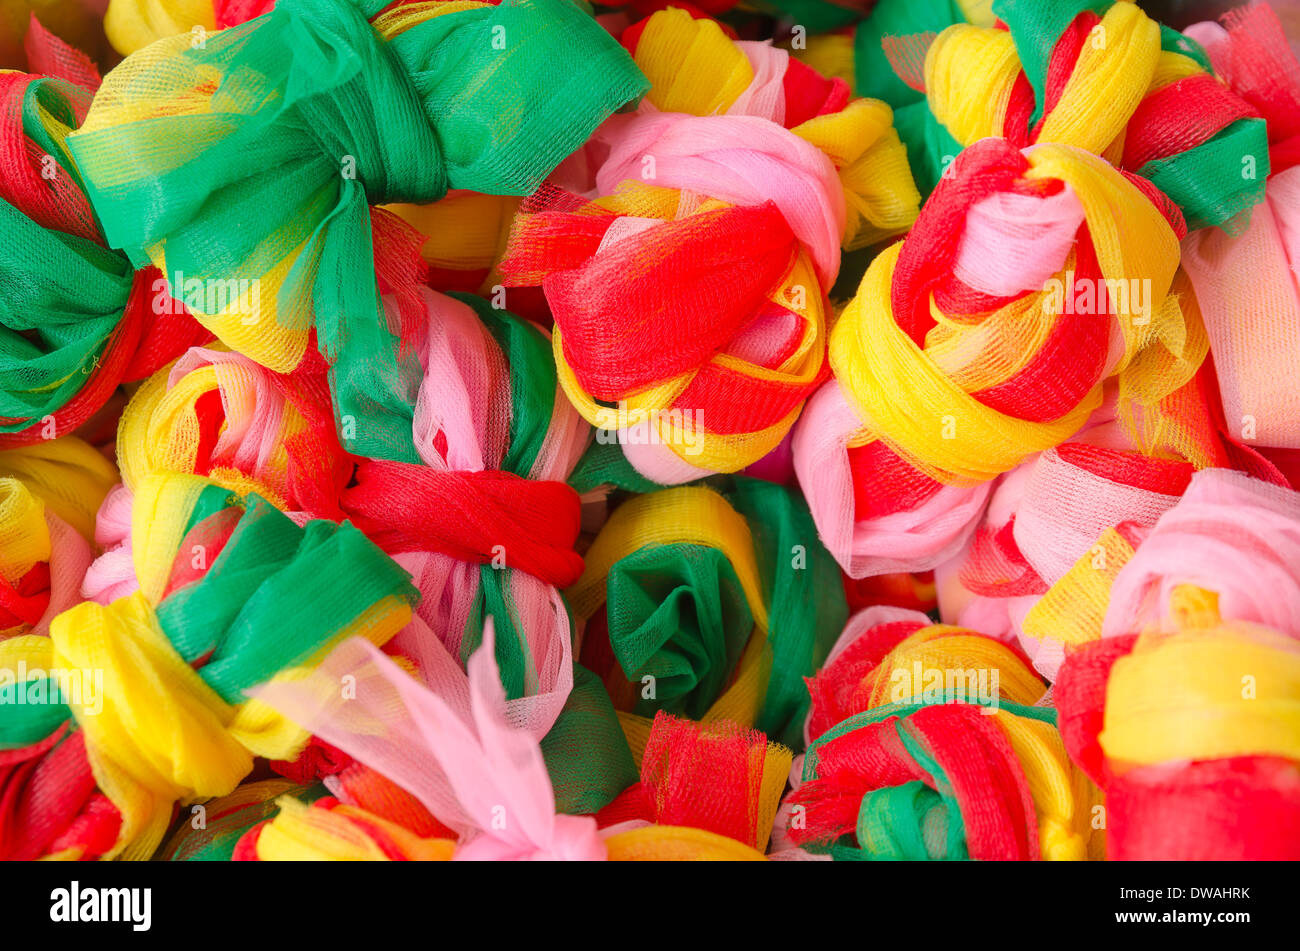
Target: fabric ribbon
(1190, 728)
(1106, 78)
(76, 319)
(264, 145)
(167, 717)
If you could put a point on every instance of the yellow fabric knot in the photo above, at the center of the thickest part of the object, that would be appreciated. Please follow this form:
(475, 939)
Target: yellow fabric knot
(161, 734)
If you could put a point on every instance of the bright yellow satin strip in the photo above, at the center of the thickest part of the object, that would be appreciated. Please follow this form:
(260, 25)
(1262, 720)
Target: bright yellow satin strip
(678, 844)
(925, 415)
(1204, 693)
(70, 476)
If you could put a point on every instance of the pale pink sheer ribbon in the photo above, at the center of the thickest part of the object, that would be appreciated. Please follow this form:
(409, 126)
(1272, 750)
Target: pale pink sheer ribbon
(453, 749)
(1231, 534)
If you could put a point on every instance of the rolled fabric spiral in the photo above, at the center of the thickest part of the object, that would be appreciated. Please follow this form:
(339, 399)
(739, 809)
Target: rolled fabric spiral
(145, 699)
(1106, 78)
(456, 752)
(1247, 284)
(708, 607)
(264, 146)
(1190, 728)
(76, 318)
(740, 160)
(1042, 265)
(939, 755)
(221, 415)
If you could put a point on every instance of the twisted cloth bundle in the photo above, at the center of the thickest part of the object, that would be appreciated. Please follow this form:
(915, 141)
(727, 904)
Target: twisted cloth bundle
(220, 415)
(1190, 729)
(926, 762)
(708, 606)
(1030, 279)
(128, 708)
(244, 166)
(76, 319)
(1106, 78)
(741, 161)
(484, 521)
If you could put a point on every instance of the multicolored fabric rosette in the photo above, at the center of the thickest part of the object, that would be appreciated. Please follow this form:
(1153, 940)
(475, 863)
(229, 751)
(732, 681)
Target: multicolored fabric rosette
(485, 779)
(131, 707)
(244, 166)
(708, 606)
(1106, 78)
(931, 743)
(76, 318)
(741, 161)
(1189, 726)
(1031, 279)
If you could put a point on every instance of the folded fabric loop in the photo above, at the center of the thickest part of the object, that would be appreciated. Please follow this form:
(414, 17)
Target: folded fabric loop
(487, 517)
(76, 319)
(1106, 78)
(261, 165)
(1191, 728)
(180, 652)
(1230, 534)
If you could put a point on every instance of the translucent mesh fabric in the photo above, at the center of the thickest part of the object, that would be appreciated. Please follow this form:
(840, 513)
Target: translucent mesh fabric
(716, 776)
(471, 499)
(220, 415)
(966, 399)
(454, 750)
(210, 835)
(262, 165)
(160, 732)
(945, 781)
(741, 160)
(1229, 534)
(327, 830)
(75, 318)
(1195, 767)
(134, 24)
(1106, 78)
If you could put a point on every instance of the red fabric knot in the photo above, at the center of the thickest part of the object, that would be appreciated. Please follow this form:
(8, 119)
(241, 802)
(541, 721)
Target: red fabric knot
(485, 517)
